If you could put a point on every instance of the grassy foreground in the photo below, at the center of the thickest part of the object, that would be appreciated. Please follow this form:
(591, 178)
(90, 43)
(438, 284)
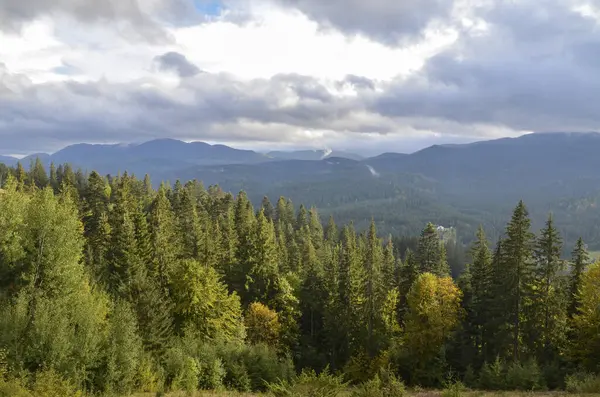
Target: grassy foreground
(428, 393)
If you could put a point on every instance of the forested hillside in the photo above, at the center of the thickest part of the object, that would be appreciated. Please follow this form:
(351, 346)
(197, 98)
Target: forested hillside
(109, 286)
(460, 186)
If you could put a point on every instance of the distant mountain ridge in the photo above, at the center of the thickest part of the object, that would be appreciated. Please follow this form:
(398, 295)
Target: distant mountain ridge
(458, 185)
(172, 153)
(312, 155)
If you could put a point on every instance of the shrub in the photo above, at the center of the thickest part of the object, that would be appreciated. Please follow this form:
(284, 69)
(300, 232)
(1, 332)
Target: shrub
(13, 388)
(149, 375)
(583, 383)
(50, 384)
(182, 370)
(384, 384)
(361, 368)
(264, 366)
(212, 373)
(454, 389)
(524, 376)
(309, 384)
(491, 376)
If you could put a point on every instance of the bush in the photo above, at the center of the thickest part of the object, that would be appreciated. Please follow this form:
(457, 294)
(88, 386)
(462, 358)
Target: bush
(454, 389)
(491, 376)
(309, 384)
(150, 377)
(384, 384)
(13, 389)
(361, 368)
(182, 370)
(524, 376)
(51, 384)
(583, 383)
(248, 368)
(212, 372)
(264, 366)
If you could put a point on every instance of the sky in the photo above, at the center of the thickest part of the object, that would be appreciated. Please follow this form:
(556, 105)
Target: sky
(366, 76)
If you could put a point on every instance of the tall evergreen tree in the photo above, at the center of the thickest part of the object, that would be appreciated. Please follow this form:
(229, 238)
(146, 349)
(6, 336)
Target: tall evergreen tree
(579, 261)
(518, 267)
(549, 302)
(430, 253)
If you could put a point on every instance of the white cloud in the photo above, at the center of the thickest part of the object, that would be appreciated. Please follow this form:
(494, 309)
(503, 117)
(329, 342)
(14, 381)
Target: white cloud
(283, 41)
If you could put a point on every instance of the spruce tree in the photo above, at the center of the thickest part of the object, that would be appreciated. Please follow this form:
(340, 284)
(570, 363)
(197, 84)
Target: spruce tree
(268, 209)
(549, 302)
(431, 253)
(518, 271)
(580, 259)
(481, 284)
(165, 244)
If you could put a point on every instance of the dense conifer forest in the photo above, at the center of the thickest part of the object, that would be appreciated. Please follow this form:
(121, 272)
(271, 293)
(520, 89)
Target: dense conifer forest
(109, 287)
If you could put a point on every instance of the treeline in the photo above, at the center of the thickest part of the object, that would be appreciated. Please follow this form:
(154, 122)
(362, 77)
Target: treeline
(110, 287)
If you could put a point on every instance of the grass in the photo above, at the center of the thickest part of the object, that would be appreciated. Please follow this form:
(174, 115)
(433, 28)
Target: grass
(424, 393)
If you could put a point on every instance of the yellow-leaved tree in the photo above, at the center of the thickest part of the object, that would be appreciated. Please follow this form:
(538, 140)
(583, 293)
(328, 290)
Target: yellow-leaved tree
(586, 322)
(262, 325)
(434, 311)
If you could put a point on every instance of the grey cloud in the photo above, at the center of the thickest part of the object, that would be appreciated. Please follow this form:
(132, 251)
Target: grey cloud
(536, 68)
(176, 62)
(388, 21)
(14, 13)
(204, 107)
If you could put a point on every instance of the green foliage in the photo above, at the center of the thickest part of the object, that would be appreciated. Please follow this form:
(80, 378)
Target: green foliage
(123, 351)
(583, 382)
(13, 388)
(492, 376)
(454, 389)
(525, 376)
(309, 384)
(383, 384)
(107, 286)
(50, 384)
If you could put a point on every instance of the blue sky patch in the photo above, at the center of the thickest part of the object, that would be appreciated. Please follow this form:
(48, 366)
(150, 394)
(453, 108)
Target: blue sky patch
(209, 7)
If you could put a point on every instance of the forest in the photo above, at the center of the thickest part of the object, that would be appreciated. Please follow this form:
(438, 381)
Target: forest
(110, 287)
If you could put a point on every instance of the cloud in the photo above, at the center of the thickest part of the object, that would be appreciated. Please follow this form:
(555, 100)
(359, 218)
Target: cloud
(535, 66)
(178, 63)
(387, 21)
(279, 78)
(15, 14)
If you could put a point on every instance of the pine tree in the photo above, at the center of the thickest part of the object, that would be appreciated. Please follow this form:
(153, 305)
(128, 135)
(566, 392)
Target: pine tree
(262, 262)
(547, 330)
(21, 175)
(97, 225)
(579, 261)
(408, 274)
(316, 229)
(121, 253)
(53, 178)
(481, 284)
(38, 177)
(331, 231)
(268, 209)
(518, 274)
(431, 253)
(312, 292)
(374, 291)
(301, 218)
(285, 211)
(166, 247)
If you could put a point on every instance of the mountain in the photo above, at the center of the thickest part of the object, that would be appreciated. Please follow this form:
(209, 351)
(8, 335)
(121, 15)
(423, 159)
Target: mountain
(312, 155)
(155, 156)
(461, 185)
(8, 160)
(451, 185)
